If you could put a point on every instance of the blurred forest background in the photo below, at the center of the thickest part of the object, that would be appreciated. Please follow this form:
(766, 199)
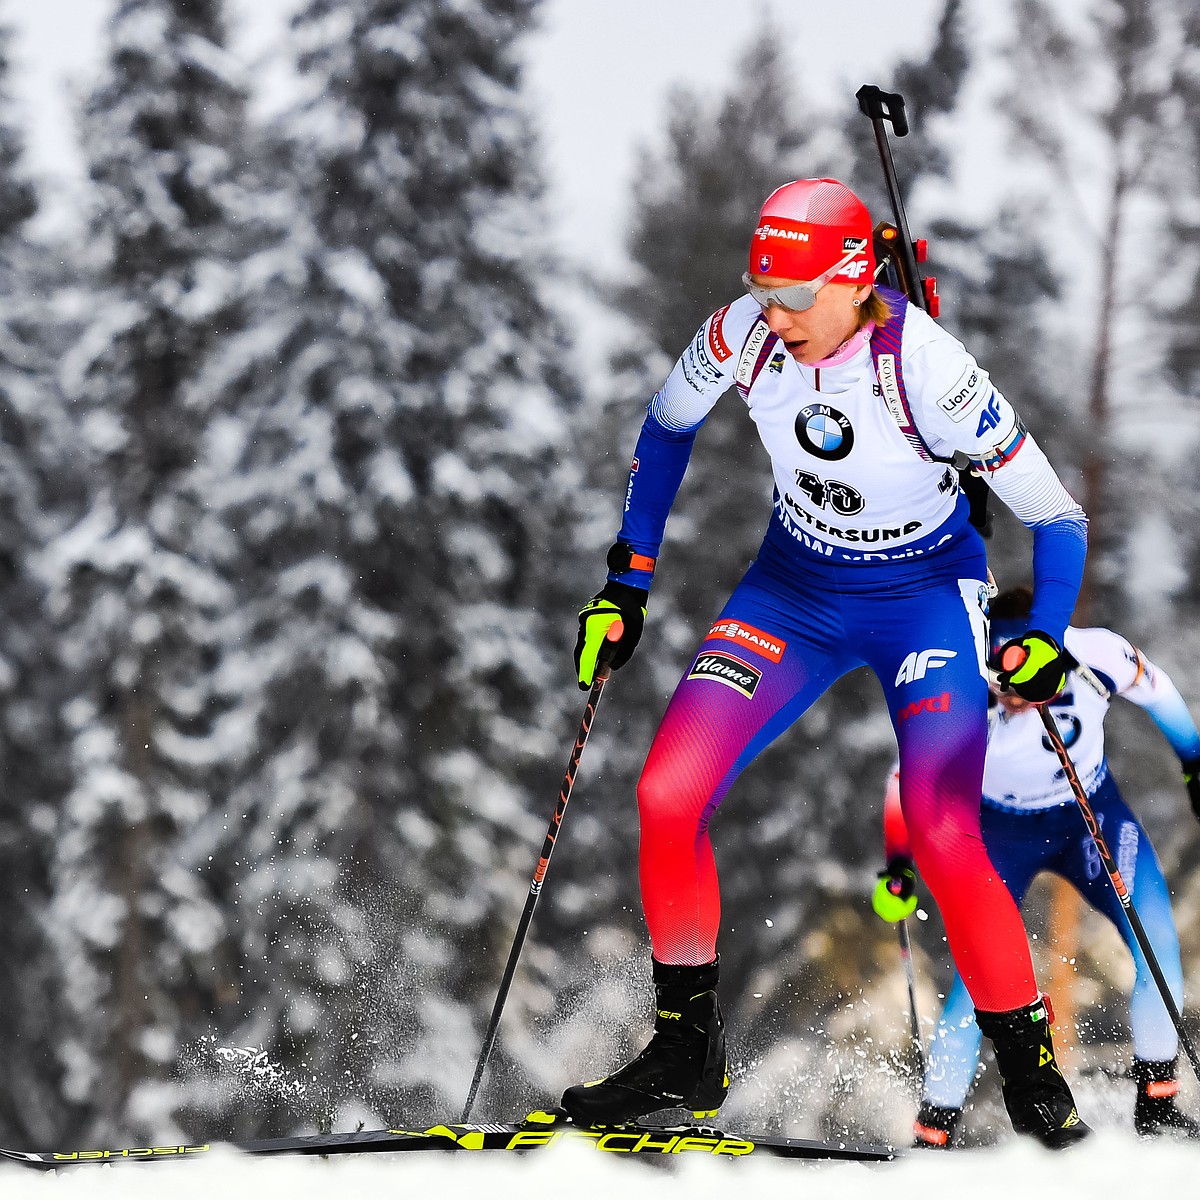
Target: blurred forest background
(303, 478)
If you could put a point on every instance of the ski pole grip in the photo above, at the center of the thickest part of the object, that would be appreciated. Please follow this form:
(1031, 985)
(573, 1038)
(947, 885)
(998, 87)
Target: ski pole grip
(1012, 658)
(611, 638)
(879, 105)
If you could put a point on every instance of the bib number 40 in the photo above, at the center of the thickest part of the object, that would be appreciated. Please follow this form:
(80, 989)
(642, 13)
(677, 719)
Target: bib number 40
(830, 493)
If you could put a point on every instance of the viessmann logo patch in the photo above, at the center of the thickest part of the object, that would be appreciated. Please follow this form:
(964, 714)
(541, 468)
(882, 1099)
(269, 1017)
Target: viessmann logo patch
(727, 669)
(747, 635)
(767, 230)
(716, 337)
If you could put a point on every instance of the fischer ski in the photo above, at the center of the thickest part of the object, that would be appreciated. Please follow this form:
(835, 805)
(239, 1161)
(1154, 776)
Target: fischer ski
(537, 1131)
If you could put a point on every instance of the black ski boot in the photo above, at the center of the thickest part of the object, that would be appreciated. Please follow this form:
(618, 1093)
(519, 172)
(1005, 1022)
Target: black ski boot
(1037, 1097)
(682, 1067)
(1154, 1111)
(935, 1127)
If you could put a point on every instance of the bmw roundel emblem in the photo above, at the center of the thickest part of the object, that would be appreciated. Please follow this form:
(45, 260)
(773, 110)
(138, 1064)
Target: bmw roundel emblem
(824, 432)
(1069, 726)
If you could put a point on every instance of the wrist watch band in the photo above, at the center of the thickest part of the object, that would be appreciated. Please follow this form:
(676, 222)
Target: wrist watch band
(622, 557)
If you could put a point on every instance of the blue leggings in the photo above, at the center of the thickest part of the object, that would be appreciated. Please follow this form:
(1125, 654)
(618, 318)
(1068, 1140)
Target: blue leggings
(1056, 839)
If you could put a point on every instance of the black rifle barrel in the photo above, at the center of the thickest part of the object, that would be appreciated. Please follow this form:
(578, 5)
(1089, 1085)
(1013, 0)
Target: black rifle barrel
(880, 107)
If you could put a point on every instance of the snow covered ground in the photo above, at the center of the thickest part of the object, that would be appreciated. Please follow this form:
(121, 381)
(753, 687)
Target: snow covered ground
(1111, 1160)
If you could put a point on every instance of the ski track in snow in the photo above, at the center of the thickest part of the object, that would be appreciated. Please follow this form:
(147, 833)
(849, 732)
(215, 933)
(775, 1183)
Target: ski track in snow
(1110, 1160)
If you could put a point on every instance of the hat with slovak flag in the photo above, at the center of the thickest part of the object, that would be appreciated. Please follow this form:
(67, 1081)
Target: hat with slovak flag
(807, 227)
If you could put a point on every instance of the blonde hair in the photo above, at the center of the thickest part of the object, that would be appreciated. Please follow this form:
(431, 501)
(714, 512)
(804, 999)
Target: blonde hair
(874, 308)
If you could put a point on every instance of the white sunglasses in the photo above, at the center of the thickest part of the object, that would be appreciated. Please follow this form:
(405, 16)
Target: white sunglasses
(798, 297)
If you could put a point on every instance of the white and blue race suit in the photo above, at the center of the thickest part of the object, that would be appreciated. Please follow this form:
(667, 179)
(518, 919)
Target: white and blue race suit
(868, 558)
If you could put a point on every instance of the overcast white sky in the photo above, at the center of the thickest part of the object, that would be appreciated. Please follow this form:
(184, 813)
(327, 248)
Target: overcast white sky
(599, 71)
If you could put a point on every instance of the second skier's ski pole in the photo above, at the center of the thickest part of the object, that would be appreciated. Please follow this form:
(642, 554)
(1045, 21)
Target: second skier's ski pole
(543, 863)
(910, 975)
(1114, 876)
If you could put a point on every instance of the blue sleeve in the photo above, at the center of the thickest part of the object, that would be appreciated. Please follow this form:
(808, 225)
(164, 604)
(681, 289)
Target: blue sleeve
(659, 463)
(1155, 691)
(1019, 473)
(1059, 551)
(1170, 713)
(674, 415)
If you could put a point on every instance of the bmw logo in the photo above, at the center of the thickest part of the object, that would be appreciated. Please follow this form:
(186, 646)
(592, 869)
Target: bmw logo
(824, 432)
(1069, 726)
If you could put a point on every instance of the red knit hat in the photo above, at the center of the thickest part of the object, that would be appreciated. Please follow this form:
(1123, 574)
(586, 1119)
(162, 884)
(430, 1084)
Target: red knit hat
(806, 227)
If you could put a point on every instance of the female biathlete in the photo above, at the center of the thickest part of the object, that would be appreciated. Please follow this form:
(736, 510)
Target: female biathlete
(861, 401)
(1031, 823)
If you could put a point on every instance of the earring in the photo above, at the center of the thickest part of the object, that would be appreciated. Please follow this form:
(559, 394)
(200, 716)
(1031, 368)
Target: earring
(857, 303)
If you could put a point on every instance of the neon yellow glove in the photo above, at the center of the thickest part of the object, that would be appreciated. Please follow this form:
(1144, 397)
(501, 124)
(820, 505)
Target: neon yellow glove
(1033, 666)
(895, 895)
(1191, 777)
(614, 603)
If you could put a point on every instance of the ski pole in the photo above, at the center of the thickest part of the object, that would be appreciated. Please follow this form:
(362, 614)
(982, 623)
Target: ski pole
(543, 863)
(911, 976)
(1114, 876)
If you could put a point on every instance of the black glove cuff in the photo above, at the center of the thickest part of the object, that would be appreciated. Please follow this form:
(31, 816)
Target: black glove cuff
(1046, 637)
(623, 595)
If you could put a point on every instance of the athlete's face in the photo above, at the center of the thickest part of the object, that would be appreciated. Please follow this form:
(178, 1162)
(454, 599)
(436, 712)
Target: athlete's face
(816, 332)
(1010, 701)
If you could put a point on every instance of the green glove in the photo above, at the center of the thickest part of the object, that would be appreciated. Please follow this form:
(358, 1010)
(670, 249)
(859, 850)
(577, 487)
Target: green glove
(1191, 776)
(1033, 666)
(615, 602)
(895, 894)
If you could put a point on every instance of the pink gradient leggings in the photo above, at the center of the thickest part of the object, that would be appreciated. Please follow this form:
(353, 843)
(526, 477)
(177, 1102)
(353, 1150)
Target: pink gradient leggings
(770, 655)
